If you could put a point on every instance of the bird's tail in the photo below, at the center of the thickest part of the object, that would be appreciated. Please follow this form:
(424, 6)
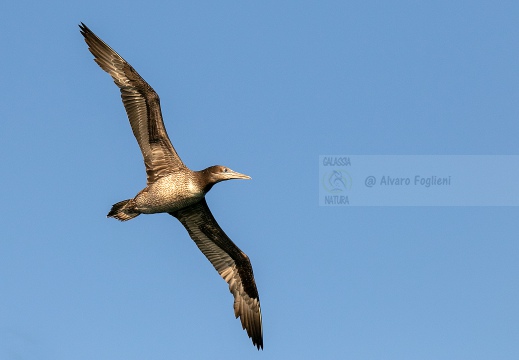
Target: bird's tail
(123, 210)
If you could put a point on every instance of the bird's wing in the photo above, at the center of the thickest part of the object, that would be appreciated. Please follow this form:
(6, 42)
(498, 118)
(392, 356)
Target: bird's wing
(230, 262)
(142, 105)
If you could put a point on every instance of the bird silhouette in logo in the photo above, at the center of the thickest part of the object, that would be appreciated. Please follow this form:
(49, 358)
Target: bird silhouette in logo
(337, 181)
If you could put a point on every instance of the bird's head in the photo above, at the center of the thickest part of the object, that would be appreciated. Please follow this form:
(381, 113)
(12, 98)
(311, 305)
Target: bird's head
(215, 174)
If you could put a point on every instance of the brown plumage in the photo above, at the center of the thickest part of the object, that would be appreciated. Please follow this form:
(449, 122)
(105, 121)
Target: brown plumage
(175, 189)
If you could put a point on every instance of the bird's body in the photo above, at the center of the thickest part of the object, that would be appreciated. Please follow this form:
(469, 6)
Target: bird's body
(164, 195)
(175, 189)
(168, 194)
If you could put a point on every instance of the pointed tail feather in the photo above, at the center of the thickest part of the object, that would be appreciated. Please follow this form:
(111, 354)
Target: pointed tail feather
(123, 210)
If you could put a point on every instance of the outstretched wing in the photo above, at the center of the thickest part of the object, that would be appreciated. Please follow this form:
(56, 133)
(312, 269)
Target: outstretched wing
(230, 262)
(142, 105)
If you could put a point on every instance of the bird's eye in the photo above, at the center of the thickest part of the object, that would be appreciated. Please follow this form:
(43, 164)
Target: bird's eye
(224, 169)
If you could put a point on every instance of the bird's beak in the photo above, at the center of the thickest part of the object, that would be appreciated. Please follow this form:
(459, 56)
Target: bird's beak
(236, 175)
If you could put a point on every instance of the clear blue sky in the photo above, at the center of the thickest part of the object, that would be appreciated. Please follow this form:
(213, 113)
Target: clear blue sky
(263, 87)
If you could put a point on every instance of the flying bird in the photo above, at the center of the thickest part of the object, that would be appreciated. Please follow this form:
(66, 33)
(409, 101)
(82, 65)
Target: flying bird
(175, 189)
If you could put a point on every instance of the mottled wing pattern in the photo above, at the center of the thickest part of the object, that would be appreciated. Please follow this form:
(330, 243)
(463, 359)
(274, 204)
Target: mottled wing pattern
(142, 105)
(230, 262)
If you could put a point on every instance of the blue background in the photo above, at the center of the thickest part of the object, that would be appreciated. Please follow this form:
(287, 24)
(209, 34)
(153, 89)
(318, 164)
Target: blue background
(264, 88)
